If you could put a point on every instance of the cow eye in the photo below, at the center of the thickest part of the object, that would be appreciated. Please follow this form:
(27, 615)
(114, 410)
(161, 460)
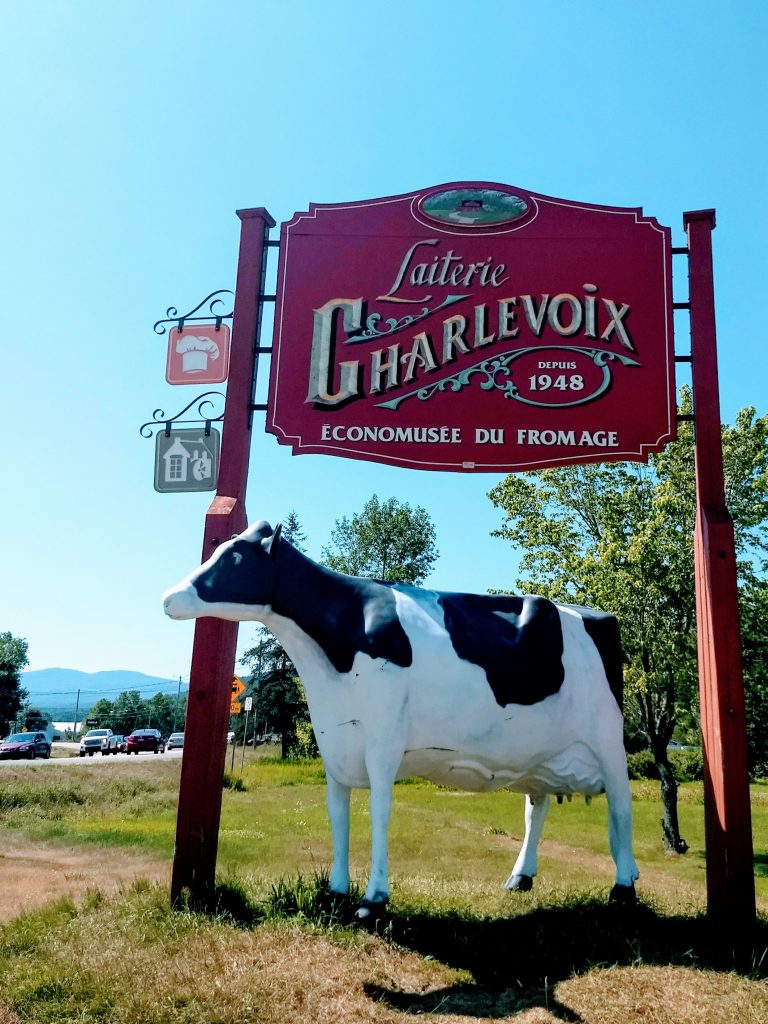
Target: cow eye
(237, 557)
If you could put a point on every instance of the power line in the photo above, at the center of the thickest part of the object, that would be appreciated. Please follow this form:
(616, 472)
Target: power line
(134, 689)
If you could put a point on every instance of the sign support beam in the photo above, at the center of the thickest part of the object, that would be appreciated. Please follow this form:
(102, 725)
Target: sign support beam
(730, 871)
(215, 642)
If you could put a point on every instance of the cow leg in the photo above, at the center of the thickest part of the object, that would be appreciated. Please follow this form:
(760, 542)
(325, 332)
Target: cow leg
(620, 832)
(382, 771)
(337, 796)
(521, 879)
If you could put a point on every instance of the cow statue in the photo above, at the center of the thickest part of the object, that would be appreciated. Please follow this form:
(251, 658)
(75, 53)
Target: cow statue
(472, 691)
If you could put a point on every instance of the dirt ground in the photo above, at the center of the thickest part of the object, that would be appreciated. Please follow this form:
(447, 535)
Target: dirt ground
(34, 873)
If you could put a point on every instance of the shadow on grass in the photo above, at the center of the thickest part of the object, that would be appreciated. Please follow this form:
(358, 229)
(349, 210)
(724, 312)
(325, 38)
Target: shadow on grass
(515, 962)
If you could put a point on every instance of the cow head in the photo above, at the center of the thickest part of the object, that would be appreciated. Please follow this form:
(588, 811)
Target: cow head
(236, 583)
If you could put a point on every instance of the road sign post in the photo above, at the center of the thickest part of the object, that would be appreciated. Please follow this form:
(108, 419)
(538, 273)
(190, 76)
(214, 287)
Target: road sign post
(730, 870)
(215, 642)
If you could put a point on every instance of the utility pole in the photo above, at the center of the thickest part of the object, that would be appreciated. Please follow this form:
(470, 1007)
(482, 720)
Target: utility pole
(176, 708)
(74, 724)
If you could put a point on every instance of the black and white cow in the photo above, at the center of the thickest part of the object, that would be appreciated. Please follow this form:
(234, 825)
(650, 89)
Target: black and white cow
(476, 692)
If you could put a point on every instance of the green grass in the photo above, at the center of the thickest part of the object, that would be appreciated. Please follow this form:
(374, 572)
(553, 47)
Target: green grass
(455, 944)
(276, 824)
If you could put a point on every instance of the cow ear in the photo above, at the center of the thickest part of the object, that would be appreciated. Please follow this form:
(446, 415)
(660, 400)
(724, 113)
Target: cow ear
(270, 544)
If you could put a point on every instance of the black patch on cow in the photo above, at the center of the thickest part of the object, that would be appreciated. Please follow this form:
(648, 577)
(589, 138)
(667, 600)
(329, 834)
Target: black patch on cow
(604, 631)
(517, 641)
(344, 615)
(242, 574)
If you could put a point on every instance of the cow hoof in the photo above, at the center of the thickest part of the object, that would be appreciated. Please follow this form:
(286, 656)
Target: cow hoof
(519, 883)
(369, 912)
(623, 895)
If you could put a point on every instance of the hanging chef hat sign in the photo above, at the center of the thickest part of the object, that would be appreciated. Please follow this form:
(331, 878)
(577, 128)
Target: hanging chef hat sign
(198, 354)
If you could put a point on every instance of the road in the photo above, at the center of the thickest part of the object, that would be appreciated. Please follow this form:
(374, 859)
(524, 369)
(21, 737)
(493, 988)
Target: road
(73, 748)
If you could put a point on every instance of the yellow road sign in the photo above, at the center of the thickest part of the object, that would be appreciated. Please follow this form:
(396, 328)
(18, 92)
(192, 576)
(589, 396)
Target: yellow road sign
(238, 686)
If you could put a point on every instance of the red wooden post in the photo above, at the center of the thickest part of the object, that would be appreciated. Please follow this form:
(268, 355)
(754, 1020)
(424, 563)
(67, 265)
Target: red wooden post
(730, 871)
(215, 643)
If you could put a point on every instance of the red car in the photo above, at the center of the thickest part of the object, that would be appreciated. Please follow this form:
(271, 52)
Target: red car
(145, 739)
(25, 744)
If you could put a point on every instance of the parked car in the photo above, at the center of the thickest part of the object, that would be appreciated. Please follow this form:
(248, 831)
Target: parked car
(94, 742)
(115, 744)
(175, 741)
(145, 739)
(25, 744)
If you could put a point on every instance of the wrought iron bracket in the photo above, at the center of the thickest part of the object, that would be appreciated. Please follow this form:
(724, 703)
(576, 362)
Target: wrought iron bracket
(174, 317)
(159, 418)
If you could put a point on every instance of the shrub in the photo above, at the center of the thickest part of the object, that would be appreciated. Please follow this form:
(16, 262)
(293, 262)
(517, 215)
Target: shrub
(304, 744)
(688, 765)
(49, 797)
(234, 782)
(641, 765)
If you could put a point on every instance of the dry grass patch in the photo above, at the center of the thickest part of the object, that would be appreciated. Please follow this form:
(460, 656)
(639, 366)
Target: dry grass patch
(34, 874)
(664, 995)
(542, 963)
(161, 967)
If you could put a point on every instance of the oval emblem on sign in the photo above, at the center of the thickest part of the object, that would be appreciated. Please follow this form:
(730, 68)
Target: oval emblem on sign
(473, 207)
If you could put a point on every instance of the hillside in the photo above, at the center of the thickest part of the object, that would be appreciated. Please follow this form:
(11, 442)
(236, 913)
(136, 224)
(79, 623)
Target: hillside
(56, 689)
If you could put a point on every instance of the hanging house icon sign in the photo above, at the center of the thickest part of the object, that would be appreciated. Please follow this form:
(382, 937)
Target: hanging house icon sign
(186, 460)
(198, 354)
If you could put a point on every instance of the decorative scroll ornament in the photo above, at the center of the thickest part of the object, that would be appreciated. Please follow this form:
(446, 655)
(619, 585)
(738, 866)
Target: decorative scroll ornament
(374, 329)
(173, 316)
(495, 373)
(202, 403)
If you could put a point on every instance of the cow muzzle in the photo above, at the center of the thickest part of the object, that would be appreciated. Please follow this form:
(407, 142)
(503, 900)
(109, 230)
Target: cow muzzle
(181, 602)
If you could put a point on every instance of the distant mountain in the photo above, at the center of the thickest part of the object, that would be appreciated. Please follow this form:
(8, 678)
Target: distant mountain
(56, 689)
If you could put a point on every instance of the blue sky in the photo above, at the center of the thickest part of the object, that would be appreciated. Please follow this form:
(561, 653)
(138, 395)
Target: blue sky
(133, 132)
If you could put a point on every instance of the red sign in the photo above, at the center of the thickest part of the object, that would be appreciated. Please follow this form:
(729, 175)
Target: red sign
(476, 327)
(198, 354)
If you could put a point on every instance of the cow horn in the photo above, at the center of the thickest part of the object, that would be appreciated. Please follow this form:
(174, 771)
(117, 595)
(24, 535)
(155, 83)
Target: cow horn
(270, 543)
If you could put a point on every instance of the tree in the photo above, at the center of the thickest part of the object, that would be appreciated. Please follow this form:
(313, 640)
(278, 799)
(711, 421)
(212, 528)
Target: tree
(35, 719)
(279, 705)
(158, 712)
(102, 712)
(128, 712)
(388, 541)
(293, 531)
(13, 659)
(619, 537)
(754, 637)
